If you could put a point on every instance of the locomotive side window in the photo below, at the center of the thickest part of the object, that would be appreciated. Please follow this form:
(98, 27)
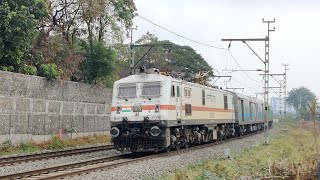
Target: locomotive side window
(203, 97)
(129, 91)
(178, 91)
(188, 109)
(225, 100)
(151, 90)
(187, 92)
(173, 91)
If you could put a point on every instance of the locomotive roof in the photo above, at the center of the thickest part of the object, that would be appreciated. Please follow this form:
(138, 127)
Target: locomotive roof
(162, 78)
(159, 77)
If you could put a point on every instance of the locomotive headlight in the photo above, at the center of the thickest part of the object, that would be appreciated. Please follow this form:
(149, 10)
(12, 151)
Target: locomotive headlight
(155, 131)
(114, 132)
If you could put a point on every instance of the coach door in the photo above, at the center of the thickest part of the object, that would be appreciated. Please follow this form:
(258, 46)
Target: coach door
(176, 88)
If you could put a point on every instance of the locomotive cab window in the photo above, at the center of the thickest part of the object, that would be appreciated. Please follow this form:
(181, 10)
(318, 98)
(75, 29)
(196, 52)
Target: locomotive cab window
(127, 91)
(151, 90)
(173, 91)
(225, 100)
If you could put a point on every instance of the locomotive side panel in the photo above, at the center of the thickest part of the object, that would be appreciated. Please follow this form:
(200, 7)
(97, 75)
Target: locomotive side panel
(206, 105)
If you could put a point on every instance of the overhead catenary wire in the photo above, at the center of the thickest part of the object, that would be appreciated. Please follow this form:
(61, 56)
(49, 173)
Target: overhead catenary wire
(238, 81)
(189, 39)
(203, 44)
(181, 36)
(235, 60)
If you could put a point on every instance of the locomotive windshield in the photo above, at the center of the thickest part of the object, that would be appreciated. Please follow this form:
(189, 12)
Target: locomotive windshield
(128, 91)
(151, 90)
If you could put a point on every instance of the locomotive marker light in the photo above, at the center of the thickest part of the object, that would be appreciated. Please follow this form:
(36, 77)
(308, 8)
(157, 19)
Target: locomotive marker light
(155, 131)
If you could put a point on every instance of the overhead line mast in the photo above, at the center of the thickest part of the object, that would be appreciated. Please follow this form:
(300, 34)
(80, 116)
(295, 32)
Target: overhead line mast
(266, 63)
(285, 89)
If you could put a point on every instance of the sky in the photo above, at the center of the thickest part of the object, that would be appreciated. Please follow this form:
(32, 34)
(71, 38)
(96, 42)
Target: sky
(295, 41)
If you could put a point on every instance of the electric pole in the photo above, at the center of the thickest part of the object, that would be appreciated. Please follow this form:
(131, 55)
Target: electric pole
(285, 88)
(266, 78)
(280, 98)
(266, 63)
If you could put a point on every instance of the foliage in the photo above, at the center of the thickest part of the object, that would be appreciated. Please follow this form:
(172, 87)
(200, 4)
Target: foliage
(38, 32)
(18, 22)
(28, 69)
(7, 68)
(299, 99)
(56, 143)
(99, 61)
(290, 156)
(179, 59)
(49, 71)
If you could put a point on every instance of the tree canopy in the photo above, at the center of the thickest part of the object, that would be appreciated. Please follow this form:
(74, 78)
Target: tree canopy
(82, 40)
(52, 32)
(18, 27)
(180, 58)
(299, 98)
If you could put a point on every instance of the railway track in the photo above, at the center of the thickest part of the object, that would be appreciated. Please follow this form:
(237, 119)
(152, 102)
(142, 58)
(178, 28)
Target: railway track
(7, 161)
(106, 163)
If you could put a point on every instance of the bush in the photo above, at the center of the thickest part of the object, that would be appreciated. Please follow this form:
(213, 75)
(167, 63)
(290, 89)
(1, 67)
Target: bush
(28, 69)
(56, 143)
(99, 61)
(7, 68)
(49, 71)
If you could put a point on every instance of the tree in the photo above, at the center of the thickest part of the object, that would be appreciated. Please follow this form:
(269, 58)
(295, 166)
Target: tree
(72, 21)
(181, 58)
(299, 98)
(18, 29)
(99, 61)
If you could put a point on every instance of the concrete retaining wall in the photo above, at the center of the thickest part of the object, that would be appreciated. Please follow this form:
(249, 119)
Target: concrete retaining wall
(34, 108)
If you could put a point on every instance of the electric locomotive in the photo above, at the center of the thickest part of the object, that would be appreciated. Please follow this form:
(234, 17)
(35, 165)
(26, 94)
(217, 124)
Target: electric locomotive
(155, 112)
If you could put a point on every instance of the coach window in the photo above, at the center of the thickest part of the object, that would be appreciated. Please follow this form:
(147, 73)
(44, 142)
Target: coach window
(250, 111)
(178, 91)
(225, 100)
(203, 97)
(173, 91)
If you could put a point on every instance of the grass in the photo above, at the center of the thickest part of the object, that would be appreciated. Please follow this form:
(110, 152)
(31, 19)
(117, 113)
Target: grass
(291, 155)
(53, 144)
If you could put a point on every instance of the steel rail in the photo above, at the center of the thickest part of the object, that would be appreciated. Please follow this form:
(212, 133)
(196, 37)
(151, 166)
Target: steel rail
(6, 161)
(85, 167)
